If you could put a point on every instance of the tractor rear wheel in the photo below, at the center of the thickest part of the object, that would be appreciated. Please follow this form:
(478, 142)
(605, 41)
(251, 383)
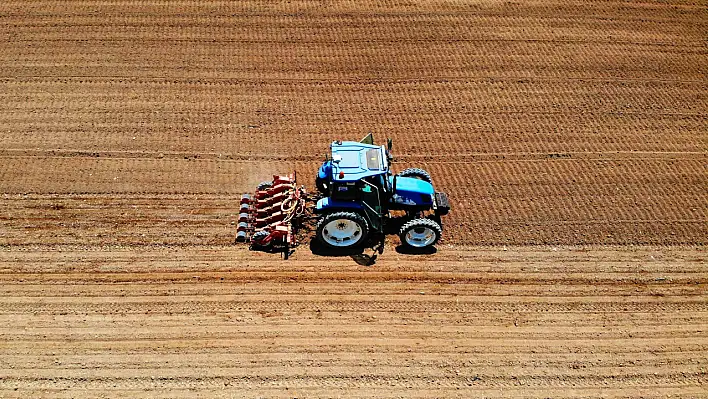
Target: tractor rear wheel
(420, 233)
(342, 230)
(416, 173)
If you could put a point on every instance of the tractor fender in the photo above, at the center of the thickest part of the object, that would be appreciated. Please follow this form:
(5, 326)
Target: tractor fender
(327, 204)
(325, 171)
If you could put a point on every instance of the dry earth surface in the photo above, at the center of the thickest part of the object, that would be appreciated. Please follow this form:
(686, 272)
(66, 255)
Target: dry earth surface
(570, 136)
(466, 322)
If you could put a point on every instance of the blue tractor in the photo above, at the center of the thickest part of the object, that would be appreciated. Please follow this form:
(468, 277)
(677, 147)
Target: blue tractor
(359, 202)
(360, 196)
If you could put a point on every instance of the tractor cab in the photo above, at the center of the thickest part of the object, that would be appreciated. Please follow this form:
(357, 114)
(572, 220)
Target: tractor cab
(355, 178)
(349, 163)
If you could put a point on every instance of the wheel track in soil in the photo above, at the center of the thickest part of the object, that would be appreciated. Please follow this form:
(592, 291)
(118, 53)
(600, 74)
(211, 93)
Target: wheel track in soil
(246, 340)
(204, 319)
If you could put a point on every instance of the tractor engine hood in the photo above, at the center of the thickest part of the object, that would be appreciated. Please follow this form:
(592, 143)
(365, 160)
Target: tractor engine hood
(413, 192)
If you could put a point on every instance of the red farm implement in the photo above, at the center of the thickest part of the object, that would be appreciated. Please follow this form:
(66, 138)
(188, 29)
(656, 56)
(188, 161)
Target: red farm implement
(269, 218)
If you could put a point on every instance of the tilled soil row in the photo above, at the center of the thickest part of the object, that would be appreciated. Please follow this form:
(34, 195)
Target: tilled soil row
(461, 322)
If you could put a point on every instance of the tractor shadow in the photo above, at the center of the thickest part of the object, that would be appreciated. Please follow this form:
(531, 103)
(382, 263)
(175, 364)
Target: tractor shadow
(406, 250)
(357, 254)
(361, 258)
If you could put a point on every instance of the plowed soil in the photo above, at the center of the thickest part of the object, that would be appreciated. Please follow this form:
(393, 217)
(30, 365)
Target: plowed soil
(569, 135)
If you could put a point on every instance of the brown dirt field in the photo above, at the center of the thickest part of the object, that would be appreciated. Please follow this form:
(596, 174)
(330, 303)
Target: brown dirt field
(570, 136)
(466, 322)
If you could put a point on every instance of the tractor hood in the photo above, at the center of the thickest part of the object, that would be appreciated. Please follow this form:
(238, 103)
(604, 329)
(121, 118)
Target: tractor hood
(412, 191)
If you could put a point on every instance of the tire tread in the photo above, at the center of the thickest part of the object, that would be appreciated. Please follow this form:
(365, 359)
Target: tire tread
(420, 222)
(417, 173)
(341, 215)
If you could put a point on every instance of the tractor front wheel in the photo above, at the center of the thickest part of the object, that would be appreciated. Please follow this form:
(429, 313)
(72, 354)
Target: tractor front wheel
(420, 233)
(342, 230)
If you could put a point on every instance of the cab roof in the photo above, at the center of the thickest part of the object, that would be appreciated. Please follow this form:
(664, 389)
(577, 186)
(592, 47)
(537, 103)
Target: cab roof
(357, 160)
